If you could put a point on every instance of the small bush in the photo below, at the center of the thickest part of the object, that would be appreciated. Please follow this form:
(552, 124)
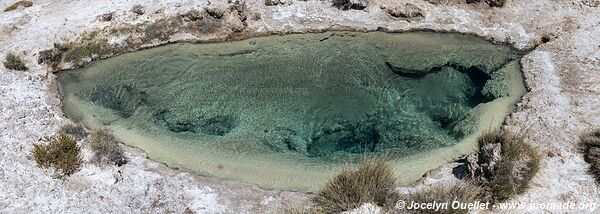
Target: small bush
(460, 191)
(373, 182)
(589, 145)
(517, 165)
(13, 62)
(61, 153)
(17, 5)
(106, 148)
(75, 130)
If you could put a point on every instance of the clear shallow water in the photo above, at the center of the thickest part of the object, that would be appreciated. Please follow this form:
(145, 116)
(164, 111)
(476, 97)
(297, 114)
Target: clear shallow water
(287, 112)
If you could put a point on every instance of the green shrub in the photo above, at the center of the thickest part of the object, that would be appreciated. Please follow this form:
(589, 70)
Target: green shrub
(17, 4)
(106, 148)
(373, 182)
(517, 165)
(465, 192)
(75, 130)
(13, 62)
(61, 153)
(589, 145)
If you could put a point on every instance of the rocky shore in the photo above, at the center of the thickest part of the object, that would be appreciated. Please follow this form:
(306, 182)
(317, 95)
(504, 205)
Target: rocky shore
(561, 72)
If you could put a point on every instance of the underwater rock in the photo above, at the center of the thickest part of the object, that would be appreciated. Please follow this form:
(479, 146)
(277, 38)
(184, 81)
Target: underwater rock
(124, 99)
(284, 139)
(218, 125)
(407, 72)
(497, 86)
(357, 137)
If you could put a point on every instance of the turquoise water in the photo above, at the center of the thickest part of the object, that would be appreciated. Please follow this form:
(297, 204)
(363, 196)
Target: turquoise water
(285, 112)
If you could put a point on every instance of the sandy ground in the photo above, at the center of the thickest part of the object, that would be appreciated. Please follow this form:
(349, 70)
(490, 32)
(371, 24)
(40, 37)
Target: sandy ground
(562, 77)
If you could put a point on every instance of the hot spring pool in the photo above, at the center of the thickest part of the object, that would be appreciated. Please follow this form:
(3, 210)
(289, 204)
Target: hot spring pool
(287, 112)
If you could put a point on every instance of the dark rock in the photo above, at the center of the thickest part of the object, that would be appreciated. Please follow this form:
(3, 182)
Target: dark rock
(271, 2)
(481, 165)
(350, 4)
(495, 3)
(50, 56)
(408, 11)
(591, 3)
(491, 3)
(106, 17)
(192, 15)
(61, 47)
(138, 9)
(215, 12)
(239, 8)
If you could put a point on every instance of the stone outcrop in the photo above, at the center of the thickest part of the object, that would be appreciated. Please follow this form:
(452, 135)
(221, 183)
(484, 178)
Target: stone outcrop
(491, 3)
(138, 9)
(480, 166)
(351, 4)
(107, 17)
(408, 12)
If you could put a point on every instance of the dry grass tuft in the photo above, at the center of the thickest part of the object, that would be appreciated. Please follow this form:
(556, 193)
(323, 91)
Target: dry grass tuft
(518, 164)
(18, 4)
(589, 145)
(61, 153)
(13, 62)
(373, 182)
(75, 130)
(106, 148)
(465, 192)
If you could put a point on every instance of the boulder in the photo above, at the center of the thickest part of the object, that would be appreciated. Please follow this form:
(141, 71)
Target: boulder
(106, 17)
(350, 4)
(192, 15)
(481, 165)
(215, 12)
(49, 57)
(138, 9)
(408, 11)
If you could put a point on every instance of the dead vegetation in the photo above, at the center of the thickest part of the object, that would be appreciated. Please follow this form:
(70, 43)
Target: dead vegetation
(89, 46)
(465, 192)
(374, 181)
(18, 4)
(589, 145)
(106, 148)
(75, 130)
(14, 62)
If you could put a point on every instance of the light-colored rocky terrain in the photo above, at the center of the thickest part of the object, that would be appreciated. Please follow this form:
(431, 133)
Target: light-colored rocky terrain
(562, 76)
